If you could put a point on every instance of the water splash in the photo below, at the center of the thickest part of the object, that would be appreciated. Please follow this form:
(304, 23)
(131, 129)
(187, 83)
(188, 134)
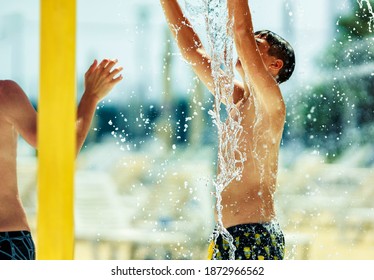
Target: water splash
(370, 9)
(230, 159)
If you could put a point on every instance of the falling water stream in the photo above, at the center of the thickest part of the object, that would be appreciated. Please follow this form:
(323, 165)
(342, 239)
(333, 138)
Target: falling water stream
(229, 130)
(230, 159)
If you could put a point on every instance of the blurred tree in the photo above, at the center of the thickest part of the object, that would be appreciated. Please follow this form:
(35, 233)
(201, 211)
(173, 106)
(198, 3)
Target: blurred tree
(339, 111)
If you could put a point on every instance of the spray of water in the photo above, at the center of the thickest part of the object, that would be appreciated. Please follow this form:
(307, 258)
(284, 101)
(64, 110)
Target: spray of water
(370, 9)
(230, 159)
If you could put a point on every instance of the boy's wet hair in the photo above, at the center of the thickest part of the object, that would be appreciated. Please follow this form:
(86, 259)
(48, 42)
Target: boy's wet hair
(281, 49)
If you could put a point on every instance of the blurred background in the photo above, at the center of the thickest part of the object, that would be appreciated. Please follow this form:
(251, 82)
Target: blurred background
(144, 177)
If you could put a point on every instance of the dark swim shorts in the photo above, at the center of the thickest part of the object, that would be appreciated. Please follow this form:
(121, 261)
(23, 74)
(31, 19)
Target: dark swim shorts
(263, 241)
(16, 245)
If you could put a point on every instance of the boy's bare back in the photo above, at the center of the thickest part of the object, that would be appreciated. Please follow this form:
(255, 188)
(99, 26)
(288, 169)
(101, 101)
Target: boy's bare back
(12, 215)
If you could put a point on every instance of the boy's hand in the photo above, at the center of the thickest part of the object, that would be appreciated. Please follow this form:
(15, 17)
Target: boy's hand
(100, 78)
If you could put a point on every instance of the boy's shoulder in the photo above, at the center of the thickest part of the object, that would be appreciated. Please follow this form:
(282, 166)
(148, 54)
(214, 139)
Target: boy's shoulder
(10, 94)
(7, 86)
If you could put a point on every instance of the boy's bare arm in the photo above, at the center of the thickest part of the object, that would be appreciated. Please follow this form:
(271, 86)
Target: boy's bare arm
(256, 72)
(99, 81)
(191, 46)
(188, 42)
(246, 45)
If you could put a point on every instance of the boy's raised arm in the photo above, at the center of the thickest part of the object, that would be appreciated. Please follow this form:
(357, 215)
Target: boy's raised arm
(99, 81)
(246, 45)
(190, 45)
(188, 42)
(256, 73)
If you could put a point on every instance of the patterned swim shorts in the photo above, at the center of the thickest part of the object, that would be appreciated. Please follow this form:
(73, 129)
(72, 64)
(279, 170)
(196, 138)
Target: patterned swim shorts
(257, 241)
(16, 245)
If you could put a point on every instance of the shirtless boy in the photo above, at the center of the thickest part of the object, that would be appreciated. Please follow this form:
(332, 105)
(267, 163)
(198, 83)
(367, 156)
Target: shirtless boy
(265, 60)
(18, 117)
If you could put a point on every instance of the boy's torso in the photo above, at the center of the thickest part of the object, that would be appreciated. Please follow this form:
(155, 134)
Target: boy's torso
(250, 200)
(12, 214)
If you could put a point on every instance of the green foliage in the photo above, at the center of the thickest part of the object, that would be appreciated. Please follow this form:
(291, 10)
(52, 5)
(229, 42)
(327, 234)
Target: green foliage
(356, 25)
(344, 101)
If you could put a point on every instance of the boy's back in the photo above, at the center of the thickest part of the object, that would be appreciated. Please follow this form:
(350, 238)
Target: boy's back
(12, 215)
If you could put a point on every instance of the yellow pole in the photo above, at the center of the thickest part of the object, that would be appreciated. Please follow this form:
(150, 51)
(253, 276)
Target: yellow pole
(56, 130)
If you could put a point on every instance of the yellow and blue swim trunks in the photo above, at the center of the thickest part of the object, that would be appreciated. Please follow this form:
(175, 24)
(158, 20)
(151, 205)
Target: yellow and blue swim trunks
(257, 241)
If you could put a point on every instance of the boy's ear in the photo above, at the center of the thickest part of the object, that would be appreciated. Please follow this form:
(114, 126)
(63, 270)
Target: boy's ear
(277, 64)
